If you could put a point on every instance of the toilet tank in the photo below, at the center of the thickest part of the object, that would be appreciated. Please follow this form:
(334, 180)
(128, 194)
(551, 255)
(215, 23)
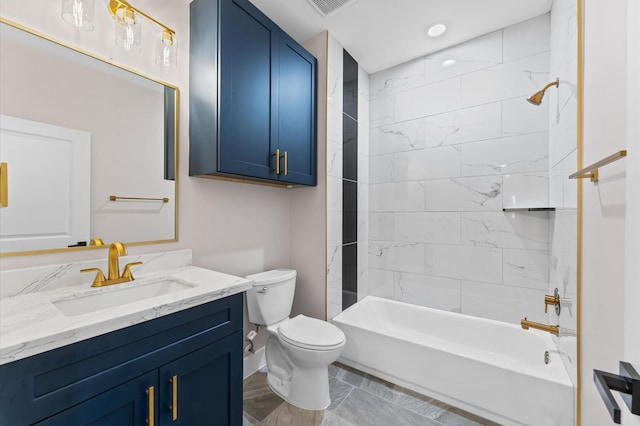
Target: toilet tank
(270, 298)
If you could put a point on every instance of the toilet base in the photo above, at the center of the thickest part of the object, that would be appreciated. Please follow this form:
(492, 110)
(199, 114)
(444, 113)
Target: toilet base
(308, 388)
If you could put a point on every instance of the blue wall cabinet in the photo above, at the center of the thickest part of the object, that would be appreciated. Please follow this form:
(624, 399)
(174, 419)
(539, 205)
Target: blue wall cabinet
(184, 368)
(252, 97)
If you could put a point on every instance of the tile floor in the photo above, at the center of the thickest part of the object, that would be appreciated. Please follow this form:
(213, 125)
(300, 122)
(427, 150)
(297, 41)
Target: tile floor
(357, 399)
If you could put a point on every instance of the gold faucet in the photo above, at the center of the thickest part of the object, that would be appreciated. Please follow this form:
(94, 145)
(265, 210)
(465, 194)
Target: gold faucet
(96, 242)
(113, 268)
(553, 329)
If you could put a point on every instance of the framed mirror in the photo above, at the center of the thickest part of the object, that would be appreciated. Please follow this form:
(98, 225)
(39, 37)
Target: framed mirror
(88, 149)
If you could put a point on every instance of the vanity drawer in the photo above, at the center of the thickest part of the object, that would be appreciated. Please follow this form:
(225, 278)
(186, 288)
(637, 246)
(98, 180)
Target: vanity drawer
(45, 384)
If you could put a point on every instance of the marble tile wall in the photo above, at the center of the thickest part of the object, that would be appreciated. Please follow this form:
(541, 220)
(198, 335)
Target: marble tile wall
(450, 146)
(563, 141)
(335, 179)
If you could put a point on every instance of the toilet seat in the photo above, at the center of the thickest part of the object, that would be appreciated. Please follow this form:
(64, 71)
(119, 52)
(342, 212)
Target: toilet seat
(311, 333)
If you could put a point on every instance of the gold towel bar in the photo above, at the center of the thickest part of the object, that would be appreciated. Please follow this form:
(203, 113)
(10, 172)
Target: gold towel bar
(592, 170)
(115, 198)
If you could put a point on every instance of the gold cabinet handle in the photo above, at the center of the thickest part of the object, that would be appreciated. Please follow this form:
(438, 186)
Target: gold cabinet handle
(285, 163)
(277, 161)
(174, 397)
(4, 185)
(150, 398)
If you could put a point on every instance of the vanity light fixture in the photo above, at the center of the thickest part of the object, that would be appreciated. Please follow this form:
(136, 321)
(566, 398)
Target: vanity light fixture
(436, 30)
(128, 29)
(79, 13)
(129, 33)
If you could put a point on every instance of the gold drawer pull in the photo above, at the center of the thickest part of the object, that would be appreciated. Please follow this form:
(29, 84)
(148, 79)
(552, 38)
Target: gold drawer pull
(150, 397)
(174, 398)
(277, 161)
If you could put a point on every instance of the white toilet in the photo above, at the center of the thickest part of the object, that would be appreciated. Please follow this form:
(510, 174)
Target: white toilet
(300, 349)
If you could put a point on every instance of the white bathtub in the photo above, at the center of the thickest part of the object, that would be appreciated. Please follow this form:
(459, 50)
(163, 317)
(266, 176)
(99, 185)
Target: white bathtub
(493, 369)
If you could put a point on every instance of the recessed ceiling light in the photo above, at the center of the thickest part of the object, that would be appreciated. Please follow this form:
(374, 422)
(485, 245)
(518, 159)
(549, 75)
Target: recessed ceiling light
(448, 63)
(436, 30)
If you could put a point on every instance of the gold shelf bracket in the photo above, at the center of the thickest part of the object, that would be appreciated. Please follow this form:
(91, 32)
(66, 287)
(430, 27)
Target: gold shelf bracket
(592, 170)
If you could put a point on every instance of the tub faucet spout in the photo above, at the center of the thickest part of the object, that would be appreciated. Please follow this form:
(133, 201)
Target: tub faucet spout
(553, 329)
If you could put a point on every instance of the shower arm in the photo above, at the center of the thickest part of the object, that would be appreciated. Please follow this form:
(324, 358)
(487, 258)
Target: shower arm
(553, 83)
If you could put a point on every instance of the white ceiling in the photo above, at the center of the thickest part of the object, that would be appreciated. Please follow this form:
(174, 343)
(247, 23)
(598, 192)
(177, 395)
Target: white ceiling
(382, 33)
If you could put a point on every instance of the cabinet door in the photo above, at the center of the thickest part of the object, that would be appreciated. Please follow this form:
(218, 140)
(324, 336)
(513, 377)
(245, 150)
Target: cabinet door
(204, 387)
(247, 39)
(127, 404)
(297, 111)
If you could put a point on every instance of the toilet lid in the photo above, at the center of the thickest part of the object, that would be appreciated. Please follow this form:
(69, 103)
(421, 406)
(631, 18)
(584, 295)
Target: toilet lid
(311, 333)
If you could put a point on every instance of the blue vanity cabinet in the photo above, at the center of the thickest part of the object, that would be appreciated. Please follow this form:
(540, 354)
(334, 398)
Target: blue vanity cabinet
(252, 97)
(202, 385)
(192, 356)
(124, 405)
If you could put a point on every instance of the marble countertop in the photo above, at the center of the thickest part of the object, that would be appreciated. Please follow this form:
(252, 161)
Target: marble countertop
(31, 324)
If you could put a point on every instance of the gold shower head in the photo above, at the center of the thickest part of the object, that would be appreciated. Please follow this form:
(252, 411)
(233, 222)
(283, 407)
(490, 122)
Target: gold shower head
(536, 99)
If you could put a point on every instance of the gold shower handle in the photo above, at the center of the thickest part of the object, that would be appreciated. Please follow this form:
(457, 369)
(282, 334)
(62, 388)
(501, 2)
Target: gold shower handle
(4, 185)
(552, 300)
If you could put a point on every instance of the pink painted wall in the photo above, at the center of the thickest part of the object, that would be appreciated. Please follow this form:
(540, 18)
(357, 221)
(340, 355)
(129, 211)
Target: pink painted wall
(231, 227)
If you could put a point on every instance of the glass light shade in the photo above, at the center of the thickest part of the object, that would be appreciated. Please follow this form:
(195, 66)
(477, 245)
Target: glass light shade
(128, 30)
(78, 13)
(166, 50)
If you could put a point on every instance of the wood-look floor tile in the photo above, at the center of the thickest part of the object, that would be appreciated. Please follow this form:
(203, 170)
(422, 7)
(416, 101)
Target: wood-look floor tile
(287, 414)
(259, 400)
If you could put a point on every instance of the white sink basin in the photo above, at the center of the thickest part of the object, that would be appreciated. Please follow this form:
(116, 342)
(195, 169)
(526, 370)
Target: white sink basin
(115, 296)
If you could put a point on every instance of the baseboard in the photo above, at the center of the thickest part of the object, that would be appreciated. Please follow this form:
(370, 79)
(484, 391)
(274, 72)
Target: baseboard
(253, 362)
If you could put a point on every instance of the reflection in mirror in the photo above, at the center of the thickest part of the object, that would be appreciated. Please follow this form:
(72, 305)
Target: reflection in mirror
(75, 132)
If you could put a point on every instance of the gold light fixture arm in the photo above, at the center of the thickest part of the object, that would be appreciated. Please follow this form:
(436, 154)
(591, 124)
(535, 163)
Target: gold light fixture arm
(114, 5)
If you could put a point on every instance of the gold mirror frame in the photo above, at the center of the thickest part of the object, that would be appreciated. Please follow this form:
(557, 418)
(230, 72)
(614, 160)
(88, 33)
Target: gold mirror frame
(175, 148)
